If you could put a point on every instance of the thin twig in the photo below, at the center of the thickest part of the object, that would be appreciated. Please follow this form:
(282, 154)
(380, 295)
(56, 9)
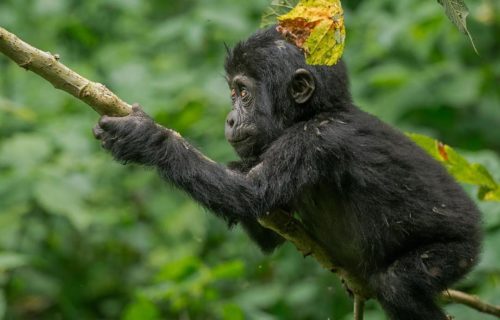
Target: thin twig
(359, 307)
(471, 301)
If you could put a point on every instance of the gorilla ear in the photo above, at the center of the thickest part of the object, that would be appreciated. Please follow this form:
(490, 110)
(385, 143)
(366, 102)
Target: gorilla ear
(302, 86)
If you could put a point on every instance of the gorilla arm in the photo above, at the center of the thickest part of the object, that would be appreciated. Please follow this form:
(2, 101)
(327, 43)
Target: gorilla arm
(232, 195)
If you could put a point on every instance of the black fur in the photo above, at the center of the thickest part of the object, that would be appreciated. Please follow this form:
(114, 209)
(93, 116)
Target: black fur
(384, 209)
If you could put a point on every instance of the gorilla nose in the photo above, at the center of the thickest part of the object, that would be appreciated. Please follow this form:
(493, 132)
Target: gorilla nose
(230, 120)
(230, 125)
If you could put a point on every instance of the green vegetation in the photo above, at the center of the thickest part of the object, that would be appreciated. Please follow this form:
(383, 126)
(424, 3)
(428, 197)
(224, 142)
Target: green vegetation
(82, 237)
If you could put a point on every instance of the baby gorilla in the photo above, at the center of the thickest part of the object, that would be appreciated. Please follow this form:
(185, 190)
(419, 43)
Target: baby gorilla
(384, 210)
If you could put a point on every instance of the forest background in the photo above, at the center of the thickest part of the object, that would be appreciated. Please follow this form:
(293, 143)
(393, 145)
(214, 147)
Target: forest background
(84, 237)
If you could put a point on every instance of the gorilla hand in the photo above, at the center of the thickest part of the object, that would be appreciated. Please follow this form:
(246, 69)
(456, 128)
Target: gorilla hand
(130, 138)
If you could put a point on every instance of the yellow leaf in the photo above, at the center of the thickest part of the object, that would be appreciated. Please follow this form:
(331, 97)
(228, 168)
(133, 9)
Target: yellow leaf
(317, 27)
(493, 195)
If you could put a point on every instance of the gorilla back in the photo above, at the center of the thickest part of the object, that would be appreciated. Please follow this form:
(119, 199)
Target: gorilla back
(385, 211)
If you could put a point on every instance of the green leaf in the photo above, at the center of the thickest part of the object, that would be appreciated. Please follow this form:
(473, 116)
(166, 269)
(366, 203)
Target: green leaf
(17, 111)
(179, 270)
(232, 311)
(457, 12)
(229, 270)
(142, 309)
(276, 9)
(460, 168)
(11, 260)
(62, 196)
(25, 151)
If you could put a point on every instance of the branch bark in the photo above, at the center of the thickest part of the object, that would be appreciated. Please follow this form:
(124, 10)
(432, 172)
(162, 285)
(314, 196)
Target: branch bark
(102, 100)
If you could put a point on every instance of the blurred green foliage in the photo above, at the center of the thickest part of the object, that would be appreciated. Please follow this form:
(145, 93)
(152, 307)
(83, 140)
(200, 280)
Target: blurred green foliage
(82, 237)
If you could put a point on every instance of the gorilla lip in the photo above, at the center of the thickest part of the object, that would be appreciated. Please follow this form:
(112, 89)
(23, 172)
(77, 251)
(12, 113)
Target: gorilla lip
(238, 139)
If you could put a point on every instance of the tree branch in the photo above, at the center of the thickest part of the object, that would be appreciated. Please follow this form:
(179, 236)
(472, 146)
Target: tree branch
(47, 65)
(359, 307)
(471, 301)
(102, 100)
(292, 230)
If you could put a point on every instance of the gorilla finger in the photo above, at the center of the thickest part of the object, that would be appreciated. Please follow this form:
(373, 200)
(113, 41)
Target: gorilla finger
(139, 112)
(108, 123)
(136, 108)
(97, 131)
(108, 142)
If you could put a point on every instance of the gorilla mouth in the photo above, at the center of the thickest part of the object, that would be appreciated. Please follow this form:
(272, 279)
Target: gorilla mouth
(238, 140)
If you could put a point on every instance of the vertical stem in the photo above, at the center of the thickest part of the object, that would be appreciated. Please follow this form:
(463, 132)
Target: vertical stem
(359, 307)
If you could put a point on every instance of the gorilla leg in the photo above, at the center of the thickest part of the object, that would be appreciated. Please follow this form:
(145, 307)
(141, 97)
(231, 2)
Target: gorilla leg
(407, 288)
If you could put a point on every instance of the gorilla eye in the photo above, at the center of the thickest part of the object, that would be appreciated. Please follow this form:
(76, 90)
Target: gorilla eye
(233, 94)
(243, 92)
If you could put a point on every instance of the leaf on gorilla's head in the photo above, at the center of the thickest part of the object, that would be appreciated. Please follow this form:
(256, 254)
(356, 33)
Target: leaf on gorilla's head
(317, 27)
